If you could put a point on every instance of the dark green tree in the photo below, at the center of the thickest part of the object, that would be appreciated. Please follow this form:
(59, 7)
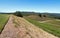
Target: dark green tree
(44, 15)
(40, 15)
(18, 13)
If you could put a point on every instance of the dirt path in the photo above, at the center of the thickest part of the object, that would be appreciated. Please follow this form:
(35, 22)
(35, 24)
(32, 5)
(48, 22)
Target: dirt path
(18, 27)
(9, 31)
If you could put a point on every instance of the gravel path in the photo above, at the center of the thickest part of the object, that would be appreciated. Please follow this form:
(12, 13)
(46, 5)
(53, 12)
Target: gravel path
(18, 27)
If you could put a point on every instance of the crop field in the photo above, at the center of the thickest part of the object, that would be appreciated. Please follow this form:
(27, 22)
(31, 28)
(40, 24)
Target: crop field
(3, 20)
(52, 26)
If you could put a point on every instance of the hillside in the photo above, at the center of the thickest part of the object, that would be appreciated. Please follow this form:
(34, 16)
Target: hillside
(18, 27)
(50, 15)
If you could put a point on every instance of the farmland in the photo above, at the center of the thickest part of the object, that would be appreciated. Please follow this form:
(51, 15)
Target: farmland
(52, 26)
(3, 20)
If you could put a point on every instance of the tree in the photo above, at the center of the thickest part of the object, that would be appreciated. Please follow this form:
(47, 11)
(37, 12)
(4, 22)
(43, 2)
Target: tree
(18, 13)
(44, 15)
(40, 15)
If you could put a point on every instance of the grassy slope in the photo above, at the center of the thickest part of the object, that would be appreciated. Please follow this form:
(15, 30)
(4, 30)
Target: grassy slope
(3, 20)
(47, 27)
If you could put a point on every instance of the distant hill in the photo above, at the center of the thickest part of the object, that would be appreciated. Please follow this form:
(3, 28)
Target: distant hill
(27, 13)
(53, 15)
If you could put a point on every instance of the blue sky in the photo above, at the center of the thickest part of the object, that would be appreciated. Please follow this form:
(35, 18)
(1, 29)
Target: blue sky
(52, 6)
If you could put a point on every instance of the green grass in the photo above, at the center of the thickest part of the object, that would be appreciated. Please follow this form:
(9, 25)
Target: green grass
(3, 20)
(46, 26)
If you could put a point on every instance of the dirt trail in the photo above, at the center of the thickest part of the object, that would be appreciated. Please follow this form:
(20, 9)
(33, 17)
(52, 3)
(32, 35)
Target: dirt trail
(9, 31)
(18, 27)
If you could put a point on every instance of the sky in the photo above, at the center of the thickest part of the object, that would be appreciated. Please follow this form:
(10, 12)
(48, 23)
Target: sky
(51, 6)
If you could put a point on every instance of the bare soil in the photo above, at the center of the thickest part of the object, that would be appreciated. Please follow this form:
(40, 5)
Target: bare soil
(18, 27)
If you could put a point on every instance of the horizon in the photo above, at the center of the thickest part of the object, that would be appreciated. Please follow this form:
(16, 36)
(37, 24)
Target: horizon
(30, 11)
(50, 6)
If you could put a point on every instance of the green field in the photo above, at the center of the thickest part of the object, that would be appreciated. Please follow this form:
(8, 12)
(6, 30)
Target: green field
(52, 27)
(3, 20)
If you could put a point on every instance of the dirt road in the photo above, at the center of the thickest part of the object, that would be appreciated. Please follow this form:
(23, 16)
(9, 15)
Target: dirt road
(18, 27)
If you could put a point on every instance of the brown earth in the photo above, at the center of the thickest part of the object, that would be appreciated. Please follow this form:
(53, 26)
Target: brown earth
(18, 27)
